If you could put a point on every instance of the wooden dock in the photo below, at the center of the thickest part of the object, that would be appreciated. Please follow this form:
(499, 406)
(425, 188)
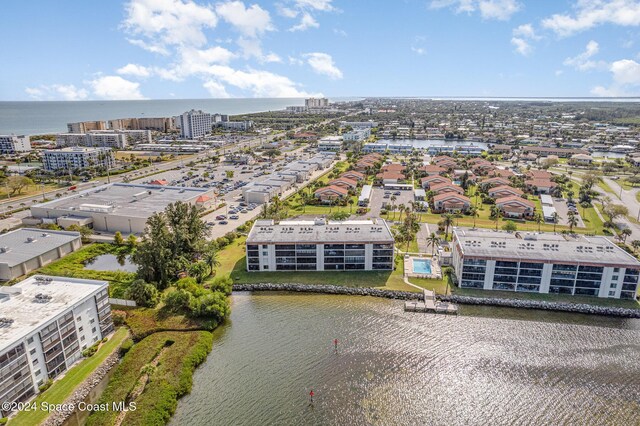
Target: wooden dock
(430, 304)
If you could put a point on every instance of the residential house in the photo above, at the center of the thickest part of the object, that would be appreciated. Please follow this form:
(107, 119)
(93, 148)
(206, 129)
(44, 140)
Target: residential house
(330, 193)
(540, 186)
(451, 203)
(494, 181)
(516, 207)
(344, 182)
(503, 191)
(581, 159)
(431, 170)
(433, 180)
(352, 174)
(444, 188)
(390, 177)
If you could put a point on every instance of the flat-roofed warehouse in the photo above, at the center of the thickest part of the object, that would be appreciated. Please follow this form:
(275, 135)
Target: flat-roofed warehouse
(319, 245)
(45, 324)
(123, 207)
(25, 250)
(543, 263)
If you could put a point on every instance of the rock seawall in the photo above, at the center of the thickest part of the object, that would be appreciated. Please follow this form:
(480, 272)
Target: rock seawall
(462, 300)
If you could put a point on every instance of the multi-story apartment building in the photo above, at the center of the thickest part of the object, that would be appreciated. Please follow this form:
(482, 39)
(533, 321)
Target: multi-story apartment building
(86, 126)
(242, 126)
(357, 135)
(316, 103)
(106, 139)
(12, 144)
(318, 245)
(330, 143)
(195, 124)
(71, 139)
(543, 263)
(77, 158)
(156, 124)
(45, 324)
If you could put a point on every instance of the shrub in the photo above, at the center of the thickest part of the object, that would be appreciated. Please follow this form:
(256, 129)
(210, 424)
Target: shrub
(144, 294)
(179, 300)
(90, 351)
(126, 346)
(118, 317)
(117, 238)
(223, 284)
(46, 385)
(212, 305)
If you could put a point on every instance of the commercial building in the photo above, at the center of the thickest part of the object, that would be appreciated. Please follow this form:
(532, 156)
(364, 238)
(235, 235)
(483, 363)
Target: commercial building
(543, 263)
(359, 124)
(316, 103)
(392, 148)
(123, 207)
(77, 158)
(176, 148)
(330, 143)
(45, 324)
(194, 124)
(86, 126)
(320, 245)
(12, 144)
(25, 250)
(241, 126)
(357, 135)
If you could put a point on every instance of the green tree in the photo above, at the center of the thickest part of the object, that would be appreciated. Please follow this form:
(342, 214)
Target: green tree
(510, 226)
(555, 217)
(624, 234)
(433, 241)
(199, 270)
(117, 238)
(447, 221)
(229, 174)
(144, 294)
(16, 184)
(572, 221)
(495, 214)
(537, 218)
(132, 241)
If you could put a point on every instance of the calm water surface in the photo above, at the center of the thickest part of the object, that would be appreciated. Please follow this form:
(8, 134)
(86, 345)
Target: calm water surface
(110, 262)
(486, 366)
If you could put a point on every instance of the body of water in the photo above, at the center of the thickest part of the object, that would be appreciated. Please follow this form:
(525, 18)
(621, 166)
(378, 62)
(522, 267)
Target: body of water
(485, 366)
(52, 116)
(425, 143)
(110, 262)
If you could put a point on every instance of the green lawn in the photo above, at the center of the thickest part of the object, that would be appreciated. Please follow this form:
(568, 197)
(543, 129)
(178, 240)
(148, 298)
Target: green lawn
(63, 388)
(606, 188)
(546, 297)
(439, 286)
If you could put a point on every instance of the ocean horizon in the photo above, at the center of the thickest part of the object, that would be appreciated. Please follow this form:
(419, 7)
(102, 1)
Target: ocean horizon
(42, 117)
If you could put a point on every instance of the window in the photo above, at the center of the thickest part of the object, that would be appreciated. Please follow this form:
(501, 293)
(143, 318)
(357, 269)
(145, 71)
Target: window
(80, 329)
(32, 351)
(616, 269)
(613, 285)
(35, 362)
(614, 278)
(30, 340)
(612, 293)
(38, 372)
(79, 319)
(82, 338)
(265, 266)
(92, 320)
(93, 330)
(84, 347)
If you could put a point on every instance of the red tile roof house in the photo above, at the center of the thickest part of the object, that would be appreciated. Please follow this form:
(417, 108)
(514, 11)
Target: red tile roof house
(516, 207)
(502, 173)
(443, 188)
(433, 180)
(393, 168)
(451, 203)
(390, 177)
(431, 170)
(540, 186)
(344, 182)
(494, 181)
(457, 174)
(331, 192)
(352, 174)
(447, 163)
(482, 168)
(202, 200)
(539, 174)
(362, 165)
(504, 191)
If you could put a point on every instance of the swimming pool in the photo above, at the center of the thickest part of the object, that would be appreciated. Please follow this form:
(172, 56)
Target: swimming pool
(421, 266)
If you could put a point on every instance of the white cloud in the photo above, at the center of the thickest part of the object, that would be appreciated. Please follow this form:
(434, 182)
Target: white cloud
(322, 63)
(338, 31)
(583, 61)
(525, 31)
(252, 47)
(626, 79)
(135, 70)
(307, 21)
(322, 5)
(592, 13)
(259, 83)
(250, 21)
(419, 50)
(155, 48)
(501, 10)
(168, 22)
(287, 12)
(115, 87)
(522, 46)
(66, 92)
(558, 73)
(216, 89)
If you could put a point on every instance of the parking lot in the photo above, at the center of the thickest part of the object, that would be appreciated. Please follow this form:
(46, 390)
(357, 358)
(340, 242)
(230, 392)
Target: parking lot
(562, 209)
(378, 199)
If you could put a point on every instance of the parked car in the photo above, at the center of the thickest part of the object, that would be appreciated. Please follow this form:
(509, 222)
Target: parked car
(221, 217)
(223, 222)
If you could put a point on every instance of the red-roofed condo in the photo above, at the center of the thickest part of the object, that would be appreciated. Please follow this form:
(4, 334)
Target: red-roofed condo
(451, 203)
(516, 207)
(330, 193)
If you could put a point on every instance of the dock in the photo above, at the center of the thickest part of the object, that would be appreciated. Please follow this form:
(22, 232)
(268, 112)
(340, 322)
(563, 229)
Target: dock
(430, 304)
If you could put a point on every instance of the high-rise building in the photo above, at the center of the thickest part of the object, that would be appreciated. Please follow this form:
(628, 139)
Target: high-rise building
(156, 124)
(72, 158)
(195, 124)
(86, 126)
(45, 324)
(12, 144)
(316, 103)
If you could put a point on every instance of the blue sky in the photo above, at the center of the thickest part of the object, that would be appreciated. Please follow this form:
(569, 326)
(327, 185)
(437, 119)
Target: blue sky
(158, 49)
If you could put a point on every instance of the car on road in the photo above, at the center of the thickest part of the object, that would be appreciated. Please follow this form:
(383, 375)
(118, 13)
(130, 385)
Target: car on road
(397, 193)
(222, 222)
(234, 217)
(386, 196)
(221, 217)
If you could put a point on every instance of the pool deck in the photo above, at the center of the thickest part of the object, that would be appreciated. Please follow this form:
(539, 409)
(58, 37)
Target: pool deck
(436, 272)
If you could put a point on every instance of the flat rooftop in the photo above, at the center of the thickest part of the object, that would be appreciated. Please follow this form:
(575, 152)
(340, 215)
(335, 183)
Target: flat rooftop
(543, 247)
(124, 199)
(24, 244)
(320, 231)
(18, 303)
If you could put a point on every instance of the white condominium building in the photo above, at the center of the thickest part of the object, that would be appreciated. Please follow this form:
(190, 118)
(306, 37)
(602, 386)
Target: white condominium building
(45, 324)
(319, 245)
(195, 124)
(316, 103)
(12, 144)
(543, 263)
(77, 158)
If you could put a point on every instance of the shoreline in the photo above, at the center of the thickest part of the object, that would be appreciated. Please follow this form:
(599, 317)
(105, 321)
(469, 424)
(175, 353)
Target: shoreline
(580, 308)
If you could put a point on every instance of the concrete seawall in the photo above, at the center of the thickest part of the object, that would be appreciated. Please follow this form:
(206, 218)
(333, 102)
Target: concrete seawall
(462, 300)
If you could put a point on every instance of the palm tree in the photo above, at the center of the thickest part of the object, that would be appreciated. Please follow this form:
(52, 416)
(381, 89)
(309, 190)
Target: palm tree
(447, 221)
(495, 214)
(537, 218)
(393, 205)
(447, 273)
(635, 244)
(401, 210)
(433, 242)
(351, 201)
(556, 218)
(211, 256)
(572, 220)
(474, 212)
(626, 232)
